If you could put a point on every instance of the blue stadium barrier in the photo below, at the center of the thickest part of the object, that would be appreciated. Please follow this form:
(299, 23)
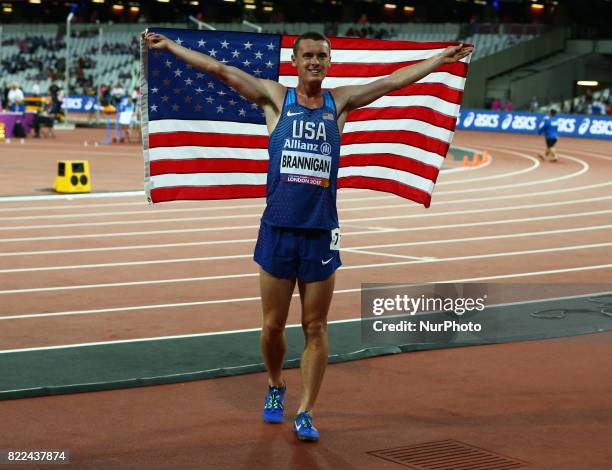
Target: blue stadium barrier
(571, 125)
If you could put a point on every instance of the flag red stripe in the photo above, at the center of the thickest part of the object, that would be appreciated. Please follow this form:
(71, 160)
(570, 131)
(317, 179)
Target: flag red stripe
(207, 192)
(373, 70)
(413, 112)
(206, 139)
(208, 165)
(451, 95)
(396, 137)
(374, 44)
(391, 161)
(388, 186)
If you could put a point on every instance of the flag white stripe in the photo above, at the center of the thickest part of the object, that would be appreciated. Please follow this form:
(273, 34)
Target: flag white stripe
(390, 174)
(191, 152)
(400, 124)
(426, 101)
(218, 127)
(207, 179)
(452, 81)
(444, 78)
(228, 179)
(369, 56)
(403, 150)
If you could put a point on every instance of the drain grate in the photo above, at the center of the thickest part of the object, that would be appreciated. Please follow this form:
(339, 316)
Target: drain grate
(447, 455)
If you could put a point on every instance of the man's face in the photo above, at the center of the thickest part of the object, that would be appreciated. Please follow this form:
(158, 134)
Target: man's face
(312, 60)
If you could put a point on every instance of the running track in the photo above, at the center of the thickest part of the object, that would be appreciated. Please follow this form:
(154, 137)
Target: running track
(112, 269)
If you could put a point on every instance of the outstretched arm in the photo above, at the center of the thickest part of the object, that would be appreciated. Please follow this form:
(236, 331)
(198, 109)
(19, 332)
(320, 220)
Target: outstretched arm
(352, 97)
(254, 89)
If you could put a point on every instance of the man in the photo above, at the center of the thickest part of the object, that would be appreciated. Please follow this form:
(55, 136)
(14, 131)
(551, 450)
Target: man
(549, 128)
(299, 237)
(15, 99)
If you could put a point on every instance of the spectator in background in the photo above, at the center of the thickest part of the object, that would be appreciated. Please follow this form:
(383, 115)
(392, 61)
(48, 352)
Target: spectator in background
(5, 90)
(496, 104)
(610, 106)
(56, 106)
(533, 104)
(598, 107)
(15, 98)
(508, 106)
(36, 88)
(117, 92)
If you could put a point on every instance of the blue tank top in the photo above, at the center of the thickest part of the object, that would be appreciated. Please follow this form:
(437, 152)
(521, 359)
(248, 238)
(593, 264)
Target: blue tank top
(304, 151)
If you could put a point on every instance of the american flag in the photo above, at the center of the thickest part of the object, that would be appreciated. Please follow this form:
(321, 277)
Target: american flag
(202, 140)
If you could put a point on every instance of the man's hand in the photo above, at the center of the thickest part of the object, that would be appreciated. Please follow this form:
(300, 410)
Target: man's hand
(156, 41)
(454, 54)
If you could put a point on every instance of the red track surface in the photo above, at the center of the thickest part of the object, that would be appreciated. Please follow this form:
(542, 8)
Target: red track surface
(92, 270)
(87, 270)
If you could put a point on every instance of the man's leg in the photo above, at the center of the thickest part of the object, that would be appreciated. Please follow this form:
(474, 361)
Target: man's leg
(316, 298)
(275, 299)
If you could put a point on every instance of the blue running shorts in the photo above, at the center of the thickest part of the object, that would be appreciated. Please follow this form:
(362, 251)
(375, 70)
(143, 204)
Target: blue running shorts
(306, 254)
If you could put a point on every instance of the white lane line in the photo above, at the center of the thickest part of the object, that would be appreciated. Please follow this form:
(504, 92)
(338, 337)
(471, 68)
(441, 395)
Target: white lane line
(585, 167)
(249, 299)
(361, 266)
(252, 240)
(354, 249)
(341, 209)
(388, 255)
(243, 227)
(481, 211)
(241, 216)
(128, 263)
(54, 197)
(535, 164)
(583, 152)
(486, 237)
(393, 206)
(582, 163)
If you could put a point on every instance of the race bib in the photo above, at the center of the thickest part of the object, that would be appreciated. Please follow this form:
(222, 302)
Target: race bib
(304, 167)
(335, 239)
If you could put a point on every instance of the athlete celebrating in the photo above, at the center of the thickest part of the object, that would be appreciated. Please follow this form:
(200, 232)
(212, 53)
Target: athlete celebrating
(299, 235)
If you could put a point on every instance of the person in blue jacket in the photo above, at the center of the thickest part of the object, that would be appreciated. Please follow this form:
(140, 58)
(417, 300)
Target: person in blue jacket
(549, 128)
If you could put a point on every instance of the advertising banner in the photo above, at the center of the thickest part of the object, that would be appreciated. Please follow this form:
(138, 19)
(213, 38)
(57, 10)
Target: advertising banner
(571, 125)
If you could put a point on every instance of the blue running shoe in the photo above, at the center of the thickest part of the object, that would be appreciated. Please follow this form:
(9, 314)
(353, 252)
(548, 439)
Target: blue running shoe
(304, 429)
(273, 407)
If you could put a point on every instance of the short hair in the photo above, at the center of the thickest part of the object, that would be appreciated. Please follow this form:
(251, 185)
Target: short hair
(310, 35)
(552, 111)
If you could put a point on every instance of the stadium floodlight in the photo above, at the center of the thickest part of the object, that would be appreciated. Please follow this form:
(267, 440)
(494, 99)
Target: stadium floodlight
(587, 83)
(35, 2)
